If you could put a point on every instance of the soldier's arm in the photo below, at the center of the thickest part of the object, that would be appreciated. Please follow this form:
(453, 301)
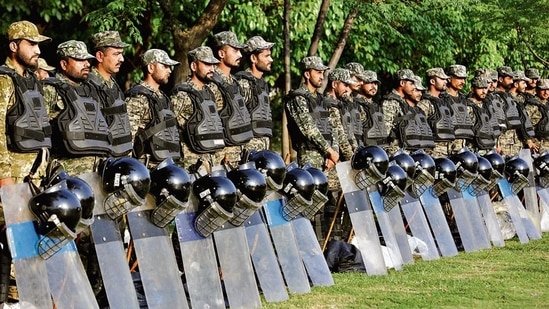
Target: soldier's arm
(182, 107)
(138, 112)
(7, 98)
(426, 107)
(245, 90)
(339, 134)
(53, 102)
(299, 111)
(218, 97)
(390, 110)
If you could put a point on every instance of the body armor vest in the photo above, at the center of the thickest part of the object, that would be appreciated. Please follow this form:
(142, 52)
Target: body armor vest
(356, 121)
(407, 129)
(116, 114)
(346, 120)
(374, 128)
(441, 121)
(426, 140)
(203, 131)
(81, 124)
(484, 128)
(27, 123)
(234, 114)
(318, 108)
(463, 125)
(541, 128)
(259, 108)
(488, 107)
(499, 110)
(160, 137)
(512, 115)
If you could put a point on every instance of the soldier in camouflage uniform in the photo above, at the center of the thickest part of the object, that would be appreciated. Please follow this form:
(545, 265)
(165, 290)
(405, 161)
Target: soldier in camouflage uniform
(194, 91)
(430, 103)
(533, 75)
(484, 140)
(148, 106)
(74, 70)
(234, 113)
(308, 119)
(23, 55)
(537, 110)
(43, 70)
(255, 91)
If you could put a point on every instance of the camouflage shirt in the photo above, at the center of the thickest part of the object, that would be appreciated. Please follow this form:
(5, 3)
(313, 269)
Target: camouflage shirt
(139, 111)
(344, 141)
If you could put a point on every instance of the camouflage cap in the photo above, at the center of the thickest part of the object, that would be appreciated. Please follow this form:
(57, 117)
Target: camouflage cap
(27, 31)
(480, 82)
(404, 74)
(203, 54)
(357, 70)
(342, 75)
(417, 82)
(313, 62)
(493, 74)
(437, 72)
(157, 55)
(519, 75)
(74, 49)
(532, 73)
(543, 84)
(228, 38)
(42, 64)
(457, 70)
(505, 71)
(108, 39)
(257, 43)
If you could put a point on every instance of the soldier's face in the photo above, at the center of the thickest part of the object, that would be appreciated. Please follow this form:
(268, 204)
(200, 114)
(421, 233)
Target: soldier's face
(543, 93)
(111, 59)
(263, 60)
(316, 77)
(26, 53)
(75, 69)
(480, 93)
(506, 82)
(532, 83)
(416, 95)
(356, 86)
(408, 88)
(160, 73)
(41, 74)
(341, 89)
(204, 71)
(520, 85)
(231, 56)
(492, 85)
(369, 90)
(440, 84)
(457, 83)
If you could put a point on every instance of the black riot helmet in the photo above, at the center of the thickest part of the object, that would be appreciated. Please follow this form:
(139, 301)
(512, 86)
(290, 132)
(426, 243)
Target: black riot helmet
(497, 162)
(406, 162)
(217, 196)
(516, 171)
(467, 168)
(127, 182)
(170, 187)
(271, 165)
(320, 197)
(392, 187)
(445, 175)
(80, 188)
(483, 180)
(252, 189)
(299, 188)
(541, 163)
(372, 162)
(484, 168)
(425, 172)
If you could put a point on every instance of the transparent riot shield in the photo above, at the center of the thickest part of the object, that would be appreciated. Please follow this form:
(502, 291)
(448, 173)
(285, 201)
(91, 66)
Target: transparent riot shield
(477, 223)
(32, 277)
(530, 197)
(438, 223)
(199, 261)
(489, 215)
(156, 259)
(463, 222)
(264, 259)
(285, 245)
(362, 219)
(397, 224)
(419, 226)
(110, 251)
(512, 202)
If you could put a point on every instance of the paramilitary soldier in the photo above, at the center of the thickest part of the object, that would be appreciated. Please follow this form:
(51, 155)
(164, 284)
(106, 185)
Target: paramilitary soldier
(374, 131)
(439, 114)
(152, 120)
(196, 109)
(484, 139)
(255, 91)
(537, 109)
(312, 136)
(109, 53)
(25, 125)
(234, 113)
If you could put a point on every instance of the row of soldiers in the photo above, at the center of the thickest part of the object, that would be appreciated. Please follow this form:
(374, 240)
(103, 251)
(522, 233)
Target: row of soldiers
(81, 116)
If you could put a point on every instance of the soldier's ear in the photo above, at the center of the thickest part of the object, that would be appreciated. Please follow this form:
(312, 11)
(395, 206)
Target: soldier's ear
(221, 53)
(307, 75)
(193, 66)
(432, 81)
(253, 58)
(99, 55)
(150, 68)
(63, 64)
(13, 46)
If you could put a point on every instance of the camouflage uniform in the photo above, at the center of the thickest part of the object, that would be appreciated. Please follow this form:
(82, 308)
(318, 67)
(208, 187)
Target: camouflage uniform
(73, 165)
(477, 82)
(534, 108)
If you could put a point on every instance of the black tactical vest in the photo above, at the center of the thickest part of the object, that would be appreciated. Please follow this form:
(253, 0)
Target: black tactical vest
(259, 107)
(484, 129)
(541, 128)
(203, 130)
(318, 108)
(463, 125)
(498, 110)
(234, 114)
(160, 137)
(374, 129)
(512, 115)
(426, 140)
(346, 120)
(27, 123)
(114, 109)
(406, 127)
(441, 121)
(355, 111)
(81, 125)
(491, 110)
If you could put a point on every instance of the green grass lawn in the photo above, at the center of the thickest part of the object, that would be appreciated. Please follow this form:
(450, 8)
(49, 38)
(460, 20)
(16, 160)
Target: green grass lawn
(515, 276)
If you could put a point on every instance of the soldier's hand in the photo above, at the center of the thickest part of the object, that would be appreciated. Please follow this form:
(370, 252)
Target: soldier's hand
(6, 181)
(329, 164)
(533, 147)
(333, 155)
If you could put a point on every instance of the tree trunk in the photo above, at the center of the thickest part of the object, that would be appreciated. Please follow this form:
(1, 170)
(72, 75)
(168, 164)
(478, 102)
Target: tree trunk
(313, 48)
(287, 78)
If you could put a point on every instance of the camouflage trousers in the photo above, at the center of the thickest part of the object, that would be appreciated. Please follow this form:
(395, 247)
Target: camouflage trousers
(232, 153)
(510, 143)
(258, 143)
